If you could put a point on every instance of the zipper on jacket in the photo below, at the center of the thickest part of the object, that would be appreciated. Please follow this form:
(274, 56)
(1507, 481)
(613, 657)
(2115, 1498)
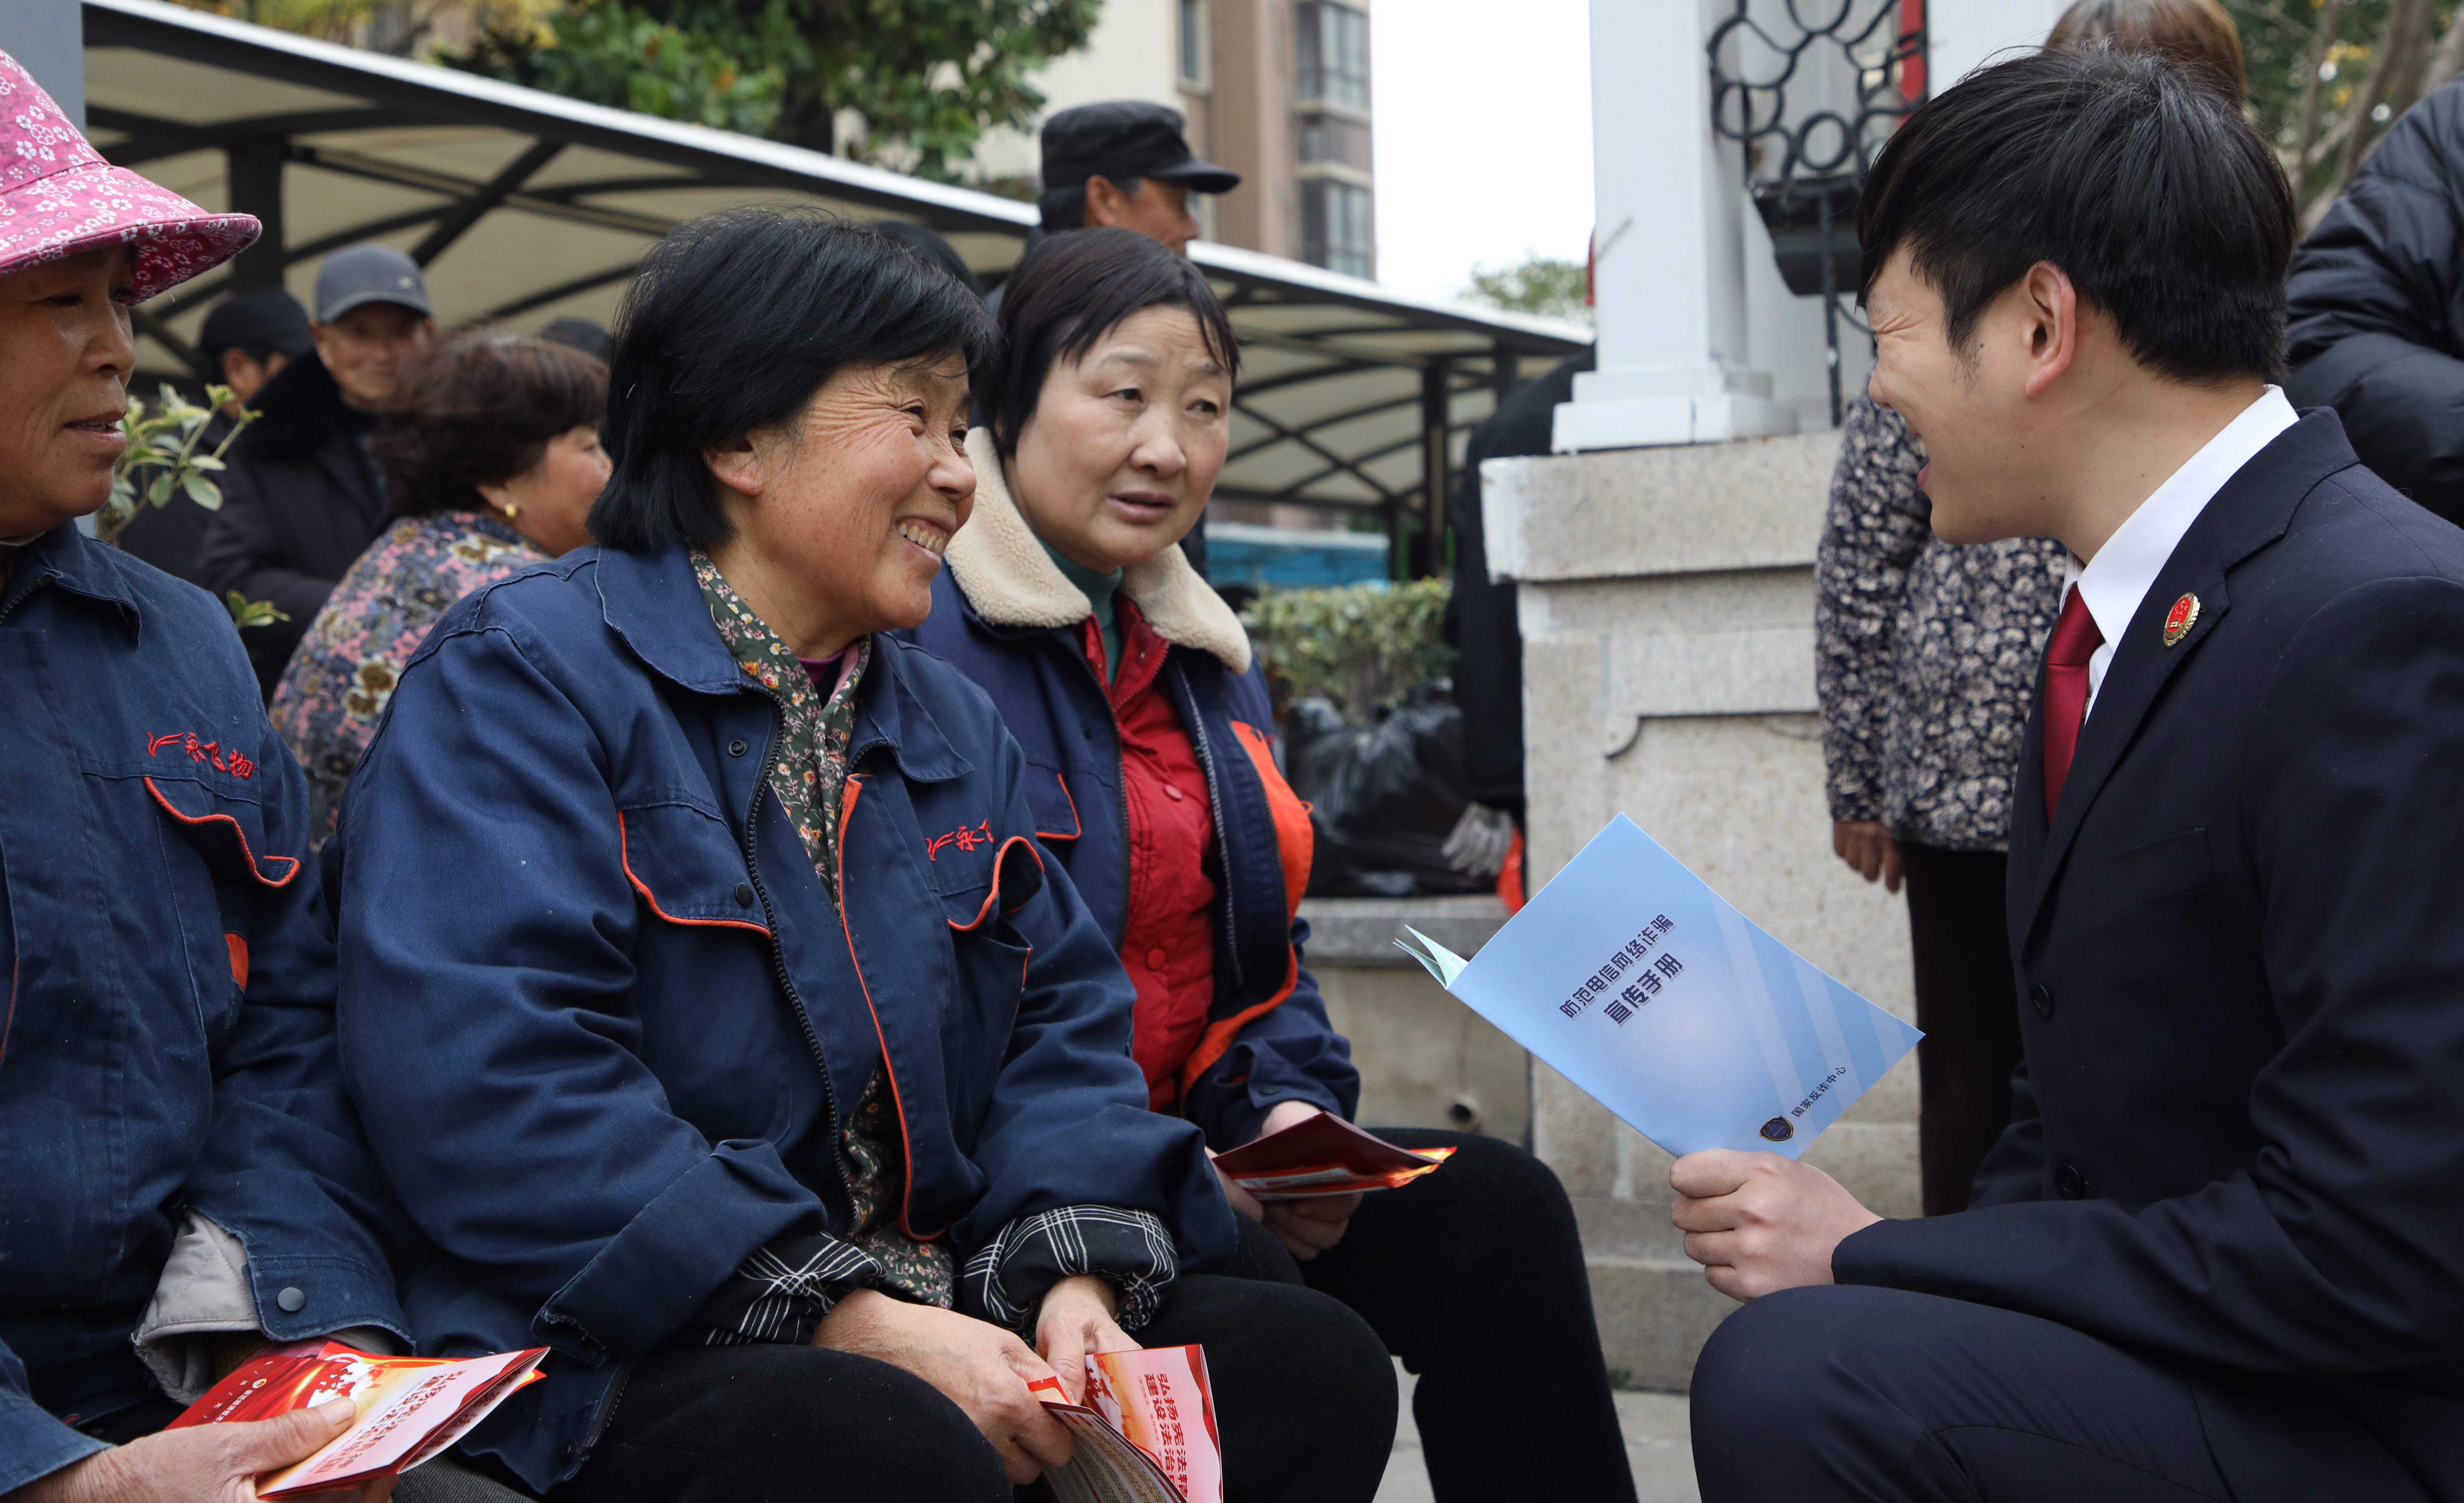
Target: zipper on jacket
(17, 591)
(1120, 778)
(580, 1452)
(1215, 801)
(778, 952)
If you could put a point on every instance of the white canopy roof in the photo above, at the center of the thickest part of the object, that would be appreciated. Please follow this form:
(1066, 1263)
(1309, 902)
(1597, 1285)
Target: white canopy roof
(527, 206)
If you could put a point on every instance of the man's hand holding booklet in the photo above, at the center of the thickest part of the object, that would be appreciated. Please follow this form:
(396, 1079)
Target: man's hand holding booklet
(1636, 981)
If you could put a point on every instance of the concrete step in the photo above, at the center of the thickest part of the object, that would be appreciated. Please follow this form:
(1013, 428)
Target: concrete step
(1654, 1315)
(1652, 1307)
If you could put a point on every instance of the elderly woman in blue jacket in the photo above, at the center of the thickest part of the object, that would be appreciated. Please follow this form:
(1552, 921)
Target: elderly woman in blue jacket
(180, 1174)
(1151, 774)
(708, 996)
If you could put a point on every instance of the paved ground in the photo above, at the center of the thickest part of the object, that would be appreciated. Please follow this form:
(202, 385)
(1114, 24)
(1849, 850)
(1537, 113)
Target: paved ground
(1655, 1442)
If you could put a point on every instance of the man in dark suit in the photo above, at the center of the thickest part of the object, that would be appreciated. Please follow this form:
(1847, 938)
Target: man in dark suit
(2219, 1252)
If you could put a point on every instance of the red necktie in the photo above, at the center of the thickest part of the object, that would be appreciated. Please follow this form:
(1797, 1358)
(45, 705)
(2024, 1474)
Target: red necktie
(2076, 640)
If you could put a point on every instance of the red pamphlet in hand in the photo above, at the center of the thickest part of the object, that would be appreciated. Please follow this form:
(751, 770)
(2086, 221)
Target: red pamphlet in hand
(1325, 1156)
(1146, 1433)
(410, 1408)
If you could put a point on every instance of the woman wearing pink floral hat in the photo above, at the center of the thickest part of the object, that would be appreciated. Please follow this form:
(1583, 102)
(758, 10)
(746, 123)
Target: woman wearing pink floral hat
(180, 1175)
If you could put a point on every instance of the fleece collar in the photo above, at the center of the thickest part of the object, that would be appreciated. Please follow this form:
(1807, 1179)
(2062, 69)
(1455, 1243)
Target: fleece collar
(998, 565)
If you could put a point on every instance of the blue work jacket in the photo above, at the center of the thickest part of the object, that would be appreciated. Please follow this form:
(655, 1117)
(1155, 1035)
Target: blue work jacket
(1268, 1039)
(167, 1038)
(603, 1018)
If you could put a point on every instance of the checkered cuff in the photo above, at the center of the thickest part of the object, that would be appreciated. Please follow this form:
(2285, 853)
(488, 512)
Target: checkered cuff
(1006, 1280)
(781, 1294)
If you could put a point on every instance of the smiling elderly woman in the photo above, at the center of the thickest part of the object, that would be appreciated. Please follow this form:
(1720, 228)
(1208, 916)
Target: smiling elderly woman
(716, 1009)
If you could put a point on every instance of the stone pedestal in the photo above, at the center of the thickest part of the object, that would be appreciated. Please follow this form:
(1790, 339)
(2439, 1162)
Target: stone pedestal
(1666, 600)
(1425, 1059)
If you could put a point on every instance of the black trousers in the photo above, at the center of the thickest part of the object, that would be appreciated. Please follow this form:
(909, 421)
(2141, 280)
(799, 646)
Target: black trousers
(1968, 1006)
(1302, 1394)
(1826, 1394)
(1474, 1276)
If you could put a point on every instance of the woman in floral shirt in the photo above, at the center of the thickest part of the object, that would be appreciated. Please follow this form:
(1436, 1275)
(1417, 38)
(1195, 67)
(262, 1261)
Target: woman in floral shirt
(491, 458)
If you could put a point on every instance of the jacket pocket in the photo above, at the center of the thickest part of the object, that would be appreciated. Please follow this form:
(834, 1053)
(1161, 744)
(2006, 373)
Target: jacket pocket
(687, 867)
(1051, 803)
(228, 831)
(228, 834)
(2172, 867)
(1002, 885)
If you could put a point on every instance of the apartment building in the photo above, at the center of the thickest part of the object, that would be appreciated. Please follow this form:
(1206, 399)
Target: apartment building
(1276, 90)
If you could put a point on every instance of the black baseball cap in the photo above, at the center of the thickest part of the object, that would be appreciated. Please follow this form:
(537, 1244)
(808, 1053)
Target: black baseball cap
(1125, 140)
(257, 320)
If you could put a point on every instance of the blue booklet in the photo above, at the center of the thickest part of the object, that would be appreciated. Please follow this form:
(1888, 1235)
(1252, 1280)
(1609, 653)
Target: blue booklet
(1647, 990)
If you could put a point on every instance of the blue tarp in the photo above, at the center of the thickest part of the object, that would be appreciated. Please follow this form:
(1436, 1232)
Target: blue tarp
(1242, 553)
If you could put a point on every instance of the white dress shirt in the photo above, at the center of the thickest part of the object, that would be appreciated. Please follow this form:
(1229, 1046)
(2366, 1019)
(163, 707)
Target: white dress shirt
(2118, 578)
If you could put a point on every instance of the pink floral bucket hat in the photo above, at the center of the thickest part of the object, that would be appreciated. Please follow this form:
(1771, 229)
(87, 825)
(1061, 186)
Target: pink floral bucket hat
(58, 198)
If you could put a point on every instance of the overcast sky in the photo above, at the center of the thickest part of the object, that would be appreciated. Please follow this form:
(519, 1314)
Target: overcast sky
(1483, 138)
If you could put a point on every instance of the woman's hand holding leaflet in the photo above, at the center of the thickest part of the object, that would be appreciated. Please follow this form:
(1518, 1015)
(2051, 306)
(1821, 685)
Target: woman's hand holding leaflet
(976, 1365)
(1076, 1323)
(1305, 1227)
(202, 1463)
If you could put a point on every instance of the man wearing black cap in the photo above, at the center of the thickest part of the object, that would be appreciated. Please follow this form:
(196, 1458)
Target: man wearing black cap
(1125, 163)
(302, 497)
(248, 338)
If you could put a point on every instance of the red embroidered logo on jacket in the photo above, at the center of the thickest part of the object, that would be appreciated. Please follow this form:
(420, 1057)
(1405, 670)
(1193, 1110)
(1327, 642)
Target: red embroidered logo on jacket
(211, 753)
(963, 839)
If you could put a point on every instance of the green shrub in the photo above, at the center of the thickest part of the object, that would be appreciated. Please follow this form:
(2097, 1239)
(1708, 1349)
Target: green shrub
(1363, 646)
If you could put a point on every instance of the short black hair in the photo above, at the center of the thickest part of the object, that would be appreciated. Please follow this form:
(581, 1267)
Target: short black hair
(1071, 290)
(479, 409)
(733, 322)
(936, 247)
(2136, 177)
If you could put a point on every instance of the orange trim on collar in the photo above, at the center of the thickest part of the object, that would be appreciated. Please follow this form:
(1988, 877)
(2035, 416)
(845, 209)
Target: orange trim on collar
(254, 868)
(624, 859)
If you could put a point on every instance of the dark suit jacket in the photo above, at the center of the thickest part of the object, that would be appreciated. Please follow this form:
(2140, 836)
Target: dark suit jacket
(2238, 1140)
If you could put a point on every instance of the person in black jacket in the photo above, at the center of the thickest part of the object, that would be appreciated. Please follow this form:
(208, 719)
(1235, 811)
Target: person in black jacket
(248, 338)
(2214, 1253)
(1480, 618)
(2376, 304)
(302, 498)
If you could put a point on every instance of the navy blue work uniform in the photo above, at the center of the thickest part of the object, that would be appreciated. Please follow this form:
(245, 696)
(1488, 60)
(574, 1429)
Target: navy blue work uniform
(167, 1000)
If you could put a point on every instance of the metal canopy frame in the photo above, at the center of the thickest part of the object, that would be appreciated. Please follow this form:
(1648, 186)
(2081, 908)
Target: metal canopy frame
(527, 206)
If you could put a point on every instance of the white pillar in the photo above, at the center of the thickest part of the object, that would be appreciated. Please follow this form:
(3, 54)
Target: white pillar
(1962, 35)
(1668, 251)
(48, 39)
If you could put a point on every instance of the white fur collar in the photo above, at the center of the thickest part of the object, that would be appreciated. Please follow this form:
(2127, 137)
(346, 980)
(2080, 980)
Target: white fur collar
(1005, 574)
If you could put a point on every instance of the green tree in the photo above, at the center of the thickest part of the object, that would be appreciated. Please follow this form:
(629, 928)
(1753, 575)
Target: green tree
(927, 78)
(1549, 288)
(2327, 78)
